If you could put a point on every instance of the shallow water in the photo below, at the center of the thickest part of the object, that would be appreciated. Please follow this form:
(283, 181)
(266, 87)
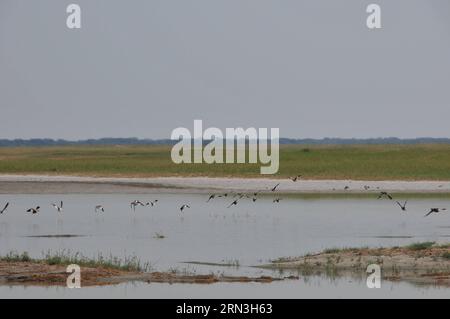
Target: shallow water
(246, 234)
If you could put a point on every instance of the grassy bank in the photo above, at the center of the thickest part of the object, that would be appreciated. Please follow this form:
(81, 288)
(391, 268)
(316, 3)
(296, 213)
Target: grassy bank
(363, 162)
(65, 258)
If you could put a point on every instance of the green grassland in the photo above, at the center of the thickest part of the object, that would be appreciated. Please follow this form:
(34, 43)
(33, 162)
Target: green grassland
(361, 162)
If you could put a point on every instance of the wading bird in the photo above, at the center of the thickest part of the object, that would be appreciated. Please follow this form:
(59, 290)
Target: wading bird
(384, 194)
(4, 208)
(33, 210)
(99, 208)
(403, 207)
(211, 197)
(184, 206)
(295, 178)
(58, 208)
(276, 200)
(275, 187)
(435, 210)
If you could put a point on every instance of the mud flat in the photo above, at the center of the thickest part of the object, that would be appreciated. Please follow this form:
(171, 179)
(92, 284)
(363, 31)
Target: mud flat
(422, 263)
(57, 184)
(35, 273)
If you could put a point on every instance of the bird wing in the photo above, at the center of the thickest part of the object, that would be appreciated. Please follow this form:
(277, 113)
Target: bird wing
(4, 208)
(430, 212)
(399, 204)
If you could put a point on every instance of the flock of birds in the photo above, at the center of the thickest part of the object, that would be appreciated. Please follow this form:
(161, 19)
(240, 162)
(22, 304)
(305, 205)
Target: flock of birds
(236, 197)
(433, 210)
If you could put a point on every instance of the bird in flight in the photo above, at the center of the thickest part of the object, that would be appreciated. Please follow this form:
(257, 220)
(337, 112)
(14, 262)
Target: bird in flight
(33, 210)
(275, 187)
(135, 203)
(151, 203)
(233, 203)
(295, 178)
(4, 208)
(58, 208)
(403, 207)
(435, 210)
(276, 200)
(184, 206)
(99, 208)
(384, 194)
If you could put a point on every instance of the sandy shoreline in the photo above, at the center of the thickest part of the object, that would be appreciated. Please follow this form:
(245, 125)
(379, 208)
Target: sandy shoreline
(10, 184)
(420, 265)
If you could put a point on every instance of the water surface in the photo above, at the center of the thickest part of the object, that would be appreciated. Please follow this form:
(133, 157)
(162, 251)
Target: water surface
(244, 235)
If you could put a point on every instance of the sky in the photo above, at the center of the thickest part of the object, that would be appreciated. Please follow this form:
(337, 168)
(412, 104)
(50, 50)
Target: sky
(142, 68)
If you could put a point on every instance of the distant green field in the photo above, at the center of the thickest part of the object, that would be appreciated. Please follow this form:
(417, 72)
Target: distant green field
(365, 162)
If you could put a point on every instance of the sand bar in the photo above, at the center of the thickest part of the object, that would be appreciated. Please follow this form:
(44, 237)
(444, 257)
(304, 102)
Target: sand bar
(10, 184)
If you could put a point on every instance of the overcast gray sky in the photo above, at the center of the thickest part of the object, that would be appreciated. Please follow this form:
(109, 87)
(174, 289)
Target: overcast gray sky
(143, 68)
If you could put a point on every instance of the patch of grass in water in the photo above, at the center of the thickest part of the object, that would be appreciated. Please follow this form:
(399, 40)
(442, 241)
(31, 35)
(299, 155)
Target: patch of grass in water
(421, 246)
(67, 258)
(16, 257)
(336, 250)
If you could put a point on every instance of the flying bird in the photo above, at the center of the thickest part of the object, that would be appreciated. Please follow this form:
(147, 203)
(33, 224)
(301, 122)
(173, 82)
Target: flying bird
(403, 207)
(233, 203)
(275, 187)
(33, 210)
(151, 203)
(435, 210)
(99, 208)
(4, 208)
(384, 194)
(58, 208)
(184, 206)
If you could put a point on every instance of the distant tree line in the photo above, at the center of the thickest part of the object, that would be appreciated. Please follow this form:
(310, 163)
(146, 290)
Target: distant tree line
(137, 141)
